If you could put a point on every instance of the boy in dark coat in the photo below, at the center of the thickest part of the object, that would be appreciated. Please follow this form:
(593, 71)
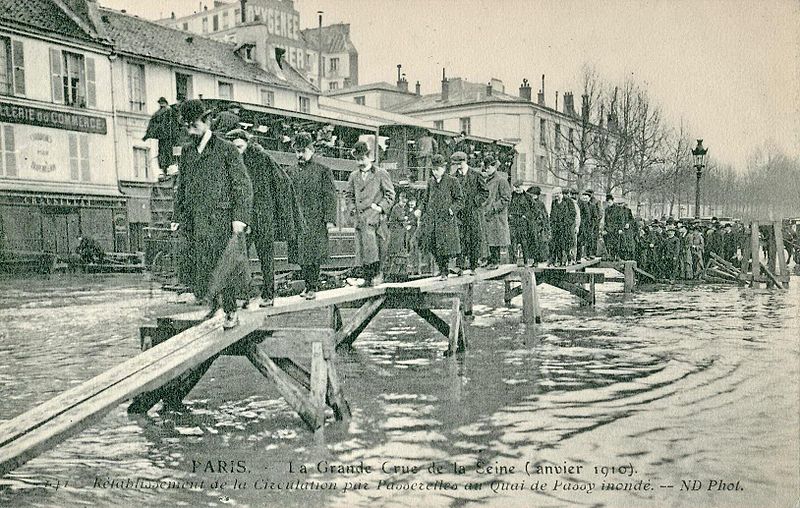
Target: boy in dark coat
(439, 228)
(213, 202)
(275, 212)
(316, 197)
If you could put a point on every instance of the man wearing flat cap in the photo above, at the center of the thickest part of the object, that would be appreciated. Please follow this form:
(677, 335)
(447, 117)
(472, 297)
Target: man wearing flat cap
(275, 212)
(370, 194)
(166, 128)
(470, 217)
(228, 119)
(316, 197)
(213, 201)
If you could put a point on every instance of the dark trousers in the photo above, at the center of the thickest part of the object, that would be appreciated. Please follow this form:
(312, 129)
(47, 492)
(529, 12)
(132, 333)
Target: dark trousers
(520, 236)
(494, 255)
(264, 241)
(442, 263)
(310, 274)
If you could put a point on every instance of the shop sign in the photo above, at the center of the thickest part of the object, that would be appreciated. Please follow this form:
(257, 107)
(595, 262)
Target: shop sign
(16, 113)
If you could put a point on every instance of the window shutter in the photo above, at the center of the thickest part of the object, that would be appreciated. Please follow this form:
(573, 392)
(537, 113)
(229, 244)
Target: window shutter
(91, 88)
(18, 59)
(85, 174)
(74, 165)
(11, 153)
(56, 81)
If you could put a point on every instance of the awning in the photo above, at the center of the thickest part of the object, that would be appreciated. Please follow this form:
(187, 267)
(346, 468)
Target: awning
(288, 158)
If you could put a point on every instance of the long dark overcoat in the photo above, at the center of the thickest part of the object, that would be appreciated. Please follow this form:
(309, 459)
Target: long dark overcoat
(496, 210)
(214, 190)
(439, 232)
(316, 197)
(365, 188)
(470, 217)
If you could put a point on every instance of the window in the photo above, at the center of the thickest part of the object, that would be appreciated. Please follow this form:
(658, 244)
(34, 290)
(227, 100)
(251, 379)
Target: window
(183, 86)
(333, 65)
(267, 97)
(237, 16)
(541, 170)
(300, 63)
(8, 153)
(543, 132)
(465, 124)
(333, 85)
(12, 67)
(225, 90)
(304, 104)
(557, 141)
(225, 20)
(72, 79)
(79, 157)
(186, 27)
(438, 124)
(215, 23)
(141, 158)
(136, 87)
(205, 25)
(360, 100)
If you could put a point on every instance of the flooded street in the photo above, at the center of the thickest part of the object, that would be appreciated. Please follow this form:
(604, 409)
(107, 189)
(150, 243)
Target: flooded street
(651, 393)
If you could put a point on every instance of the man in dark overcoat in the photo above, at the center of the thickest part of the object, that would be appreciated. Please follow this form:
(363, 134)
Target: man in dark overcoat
(471, 215)
(496, 210)
(562, 224)
(597, 220)
(166, 128)
(370, 194)
(213, 201)
(316, 197)
(586, 226)
(520, 215)
(540, 230)
(612, 227)
(275, 212)
(439, 232)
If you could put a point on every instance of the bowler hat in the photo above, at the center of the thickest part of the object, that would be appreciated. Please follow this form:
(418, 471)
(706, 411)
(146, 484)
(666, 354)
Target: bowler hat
(193, 110)
(458, 157)
(360, 149)
(438, 161)
(301, 141)
(163, 100)
(536, 190)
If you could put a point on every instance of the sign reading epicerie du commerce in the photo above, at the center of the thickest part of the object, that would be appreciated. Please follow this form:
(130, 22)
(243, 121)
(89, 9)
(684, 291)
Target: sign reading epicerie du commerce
(15, 113)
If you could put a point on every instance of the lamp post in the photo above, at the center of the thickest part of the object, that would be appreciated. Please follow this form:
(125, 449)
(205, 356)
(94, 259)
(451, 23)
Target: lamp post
(319, 54)
(699, 154)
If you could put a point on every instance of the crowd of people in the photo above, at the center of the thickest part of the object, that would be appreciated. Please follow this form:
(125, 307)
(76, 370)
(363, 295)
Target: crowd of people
(469, 213)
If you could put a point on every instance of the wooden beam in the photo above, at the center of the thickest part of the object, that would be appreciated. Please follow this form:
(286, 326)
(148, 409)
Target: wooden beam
(576, 290)
(456, 318)
(780, 252)
(335, 317)
(574, 277)
(630, 277)
(294, 370)
(295, 342)
(334, 396)
(319, 383)
(645, 274)
(755, 252)
(356, 324)
(469, 298)
(771, 276)
(298, 399)
(434, 320)
(726, 264)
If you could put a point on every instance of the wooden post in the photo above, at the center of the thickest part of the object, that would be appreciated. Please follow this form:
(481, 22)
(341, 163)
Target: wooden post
(780, 252)
(319, 383)
(755, 252)
(630, 276)
(469, 297)
(335, 317)
(531, 313)
(507, 292)
(334, 396)
(592, 291)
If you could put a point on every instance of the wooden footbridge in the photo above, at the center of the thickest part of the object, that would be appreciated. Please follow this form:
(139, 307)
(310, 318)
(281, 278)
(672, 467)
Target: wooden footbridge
(180, 348)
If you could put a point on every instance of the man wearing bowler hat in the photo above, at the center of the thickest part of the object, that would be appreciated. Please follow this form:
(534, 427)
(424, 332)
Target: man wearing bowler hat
(470, 216)
(316, 199)
(213, 201)
(370, 194)
(165, 127)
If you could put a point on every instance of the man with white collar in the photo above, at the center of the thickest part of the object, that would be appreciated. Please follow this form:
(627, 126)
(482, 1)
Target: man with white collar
(470, 216)
(370, 194)
(213, 201)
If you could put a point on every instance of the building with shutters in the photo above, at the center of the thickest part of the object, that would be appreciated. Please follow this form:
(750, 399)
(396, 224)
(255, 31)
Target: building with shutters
(78, 84)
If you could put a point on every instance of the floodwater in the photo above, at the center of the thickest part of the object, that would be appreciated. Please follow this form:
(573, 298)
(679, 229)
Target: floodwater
(681, 396)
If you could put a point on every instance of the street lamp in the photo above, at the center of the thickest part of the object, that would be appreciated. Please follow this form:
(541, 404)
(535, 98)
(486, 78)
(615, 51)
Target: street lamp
(699, 153)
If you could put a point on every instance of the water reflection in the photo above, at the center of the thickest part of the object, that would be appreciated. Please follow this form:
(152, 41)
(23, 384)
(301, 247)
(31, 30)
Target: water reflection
(677, 381)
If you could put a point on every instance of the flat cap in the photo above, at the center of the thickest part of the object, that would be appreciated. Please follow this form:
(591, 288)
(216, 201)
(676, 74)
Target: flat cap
(458, 157)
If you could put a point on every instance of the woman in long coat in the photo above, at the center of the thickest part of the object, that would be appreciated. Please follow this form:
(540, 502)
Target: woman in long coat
(316, 198)
(495, 212)
(439, 229)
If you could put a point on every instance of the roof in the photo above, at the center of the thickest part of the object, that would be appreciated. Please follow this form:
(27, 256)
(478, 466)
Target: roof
(139, 37)
(42, 15)
(460, 92)
(380, 85)
(335, 38)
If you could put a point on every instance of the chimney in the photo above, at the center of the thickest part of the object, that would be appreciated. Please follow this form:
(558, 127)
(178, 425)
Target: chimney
(525, 90)
(418, 89)
(585, 107)
(540, 98)
(403, 83)
(569, 104)
(489, 89)
(556, 108)
(399, 84)
(244, 10)
(445, 87)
